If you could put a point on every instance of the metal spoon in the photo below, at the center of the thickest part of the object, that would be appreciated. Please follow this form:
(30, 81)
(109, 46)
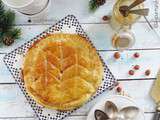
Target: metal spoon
(129, 113)
(143, 12)
(100, 115)
(125, 9)
(111, 109)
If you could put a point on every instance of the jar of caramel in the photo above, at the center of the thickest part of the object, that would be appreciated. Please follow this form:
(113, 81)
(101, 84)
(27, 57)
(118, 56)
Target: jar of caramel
(118, 20)
(124, 39)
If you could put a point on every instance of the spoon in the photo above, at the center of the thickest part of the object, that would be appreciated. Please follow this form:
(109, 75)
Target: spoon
(125, 9)
(111, 109)
(129, 113)
(143, 12)
(100, 115)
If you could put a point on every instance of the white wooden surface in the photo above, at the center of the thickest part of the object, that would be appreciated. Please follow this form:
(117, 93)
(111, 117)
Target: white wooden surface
(13, 105)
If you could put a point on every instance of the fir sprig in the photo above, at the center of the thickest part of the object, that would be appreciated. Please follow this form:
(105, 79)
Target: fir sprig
(6, 21)
(7, 30)
(94, 4)
(1, 7)
(14, 33)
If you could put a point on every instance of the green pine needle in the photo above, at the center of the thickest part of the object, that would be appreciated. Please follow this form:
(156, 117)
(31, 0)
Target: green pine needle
(93, 5)
(14, 33)
(1, 8)
(7, 20)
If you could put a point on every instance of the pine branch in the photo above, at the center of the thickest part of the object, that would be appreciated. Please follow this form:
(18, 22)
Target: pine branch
(6, 20)
(14, 33)
(1, 13)
(8, 33)
(1, 8)
(92, 5)
(1, 36)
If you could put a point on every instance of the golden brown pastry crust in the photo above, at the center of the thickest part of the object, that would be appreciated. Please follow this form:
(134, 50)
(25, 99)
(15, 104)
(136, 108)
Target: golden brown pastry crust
(62, 71)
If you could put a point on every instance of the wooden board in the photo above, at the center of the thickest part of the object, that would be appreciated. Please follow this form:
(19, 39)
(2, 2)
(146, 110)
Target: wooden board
(148, 116)
(13, 105)
(100, 35)
(12, 100)
(56, 10)
(119, 67)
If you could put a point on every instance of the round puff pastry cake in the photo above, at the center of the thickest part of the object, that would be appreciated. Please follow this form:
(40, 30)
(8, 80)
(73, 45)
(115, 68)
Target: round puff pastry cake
(62, 71)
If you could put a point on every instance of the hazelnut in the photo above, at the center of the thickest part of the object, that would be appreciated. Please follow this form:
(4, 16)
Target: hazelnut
(147, 72)
(117, 55)
(119, 89)
(136, 55)
(136, 67)
(105, 18)
(131, 72)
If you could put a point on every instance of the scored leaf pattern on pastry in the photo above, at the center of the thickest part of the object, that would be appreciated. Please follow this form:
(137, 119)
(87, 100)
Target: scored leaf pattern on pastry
(62, 71)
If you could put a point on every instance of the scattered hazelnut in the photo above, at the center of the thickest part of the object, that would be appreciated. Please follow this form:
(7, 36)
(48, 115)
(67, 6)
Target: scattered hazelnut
(105, 18)
(131, 72)
(136, 55)
(117, 55)
(119, 89)
(147, 72)
(136, 67)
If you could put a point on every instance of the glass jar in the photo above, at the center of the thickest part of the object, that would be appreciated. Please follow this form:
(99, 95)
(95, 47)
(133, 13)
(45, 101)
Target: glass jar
(124, 39)
(118, 20)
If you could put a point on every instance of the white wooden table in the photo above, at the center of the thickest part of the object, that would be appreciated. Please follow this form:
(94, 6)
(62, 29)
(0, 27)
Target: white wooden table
(13, 105)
